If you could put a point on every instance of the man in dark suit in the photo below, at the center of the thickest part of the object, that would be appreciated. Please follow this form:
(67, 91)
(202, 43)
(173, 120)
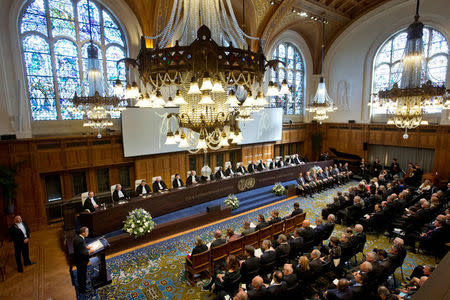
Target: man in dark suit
(119, 194)
(247, 229)
(250, 266)
(360, 235)
(267, 258)
(91, 202)
(81, 257)
(341, 292)
(177, 182)
(316, 262)
(310, 180)
(192, 178)
(229, 171)
(277, 290)
(251, 167)
(436, 238)
(220, 174)
(280, 163)
(288, 161)
(395, 167)
(241, 169)
(257, 291)
(261, 166)
(20, 234)
(302, 185)
(307, 233)
(282, 250)
(218, 240)
(261, 222)
(296, 159)
(296, 244)
(289, 277)
(319, 231)
(273, 164)
(274, 218)
(143, 188)
(376, 167)
(159, 185)
(297, 210)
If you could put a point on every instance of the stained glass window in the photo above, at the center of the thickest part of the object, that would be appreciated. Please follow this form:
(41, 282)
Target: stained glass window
(293, 71)
(54, 36)
(387, 68)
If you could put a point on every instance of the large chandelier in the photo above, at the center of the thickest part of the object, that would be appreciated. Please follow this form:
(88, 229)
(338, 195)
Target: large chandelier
(409, 101)
(321, 104)
(96, 100)
(199, 63)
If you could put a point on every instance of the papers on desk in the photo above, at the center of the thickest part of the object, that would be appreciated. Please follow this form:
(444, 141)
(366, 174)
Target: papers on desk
(209, 245)
(258, 252)
(252, 225)
(96, 245)
(335, 282)
(122, 202)
(312, 226)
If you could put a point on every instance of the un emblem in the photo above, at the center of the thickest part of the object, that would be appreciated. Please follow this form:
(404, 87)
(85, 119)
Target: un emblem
(246, 183)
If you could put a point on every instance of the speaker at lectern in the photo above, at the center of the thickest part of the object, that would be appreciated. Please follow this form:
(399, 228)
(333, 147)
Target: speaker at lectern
(99, 275)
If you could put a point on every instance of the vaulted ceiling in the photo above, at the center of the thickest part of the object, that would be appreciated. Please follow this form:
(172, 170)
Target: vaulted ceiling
(260, 18)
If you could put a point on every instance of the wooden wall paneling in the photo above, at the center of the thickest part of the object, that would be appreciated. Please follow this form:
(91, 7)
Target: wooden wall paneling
(76, 157)
(66, 185)
(114, 175)
(91, 180)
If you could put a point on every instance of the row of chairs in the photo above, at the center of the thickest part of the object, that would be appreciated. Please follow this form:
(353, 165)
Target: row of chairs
(205, 262)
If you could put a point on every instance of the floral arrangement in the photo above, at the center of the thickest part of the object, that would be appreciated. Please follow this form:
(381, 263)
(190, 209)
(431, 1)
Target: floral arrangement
(139, 222)
(232, 201)
(278, 189)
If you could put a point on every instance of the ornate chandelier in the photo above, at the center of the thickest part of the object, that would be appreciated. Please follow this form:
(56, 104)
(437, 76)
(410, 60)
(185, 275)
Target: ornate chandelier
(410, 100)
(200, 76)
(96, 101)
(321, 104)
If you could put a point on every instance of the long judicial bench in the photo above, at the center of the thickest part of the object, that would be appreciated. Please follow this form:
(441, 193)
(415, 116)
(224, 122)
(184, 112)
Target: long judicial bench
(112, 217)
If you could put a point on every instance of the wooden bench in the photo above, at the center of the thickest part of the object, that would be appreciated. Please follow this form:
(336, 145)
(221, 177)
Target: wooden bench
(5, 252)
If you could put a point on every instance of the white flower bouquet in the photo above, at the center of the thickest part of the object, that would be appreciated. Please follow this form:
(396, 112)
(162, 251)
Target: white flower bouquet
(278, 189)
(232, 201)
(139, 222)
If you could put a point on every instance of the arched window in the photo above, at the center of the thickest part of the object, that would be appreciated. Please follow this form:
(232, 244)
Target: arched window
(387, 67)
(54, 36)
(294, 73)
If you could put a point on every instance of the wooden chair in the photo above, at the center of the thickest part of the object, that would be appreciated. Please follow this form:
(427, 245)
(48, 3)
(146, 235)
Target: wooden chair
(197, 264)
(298, 219)
(289, 225)
(236, 247)
(265, 234)
(218, 255)
(252, 239)
(277, 229)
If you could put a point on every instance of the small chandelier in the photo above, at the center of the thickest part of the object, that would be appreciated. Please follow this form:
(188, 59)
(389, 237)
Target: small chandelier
(96, 100)
(410, 100)
(201, 77)
(321, 104)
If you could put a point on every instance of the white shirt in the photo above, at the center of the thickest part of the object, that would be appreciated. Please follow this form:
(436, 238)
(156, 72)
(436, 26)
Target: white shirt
(231, 171)
(160, 186)
(93, 201)
(193, 179)
(144, 191)
(120, 194)
(221, 174)
(22, 228)
(179, 183)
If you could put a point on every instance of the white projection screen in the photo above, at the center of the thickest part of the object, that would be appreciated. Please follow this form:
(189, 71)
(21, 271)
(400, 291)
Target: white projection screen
(144, 129)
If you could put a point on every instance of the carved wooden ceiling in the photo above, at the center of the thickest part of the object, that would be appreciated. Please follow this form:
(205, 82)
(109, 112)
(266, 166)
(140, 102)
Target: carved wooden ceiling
(268, 21)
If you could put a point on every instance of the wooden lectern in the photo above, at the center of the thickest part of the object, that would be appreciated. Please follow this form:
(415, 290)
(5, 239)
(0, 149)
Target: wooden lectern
(99, 275)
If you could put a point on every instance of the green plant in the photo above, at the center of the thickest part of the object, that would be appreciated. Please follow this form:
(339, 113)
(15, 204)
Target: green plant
(8, 184)
(139, 223)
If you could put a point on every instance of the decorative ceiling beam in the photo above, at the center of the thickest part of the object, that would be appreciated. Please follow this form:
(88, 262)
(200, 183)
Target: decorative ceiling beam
(319, 8)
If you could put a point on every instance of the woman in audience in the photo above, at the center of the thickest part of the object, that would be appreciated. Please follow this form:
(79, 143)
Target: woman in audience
(224, 280)
(303, 270)
(199, 247)
(231, 236)
(424, 187)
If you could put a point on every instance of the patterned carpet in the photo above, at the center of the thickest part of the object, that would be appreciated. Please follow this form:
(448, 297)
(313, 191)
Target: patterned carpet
(157, 271)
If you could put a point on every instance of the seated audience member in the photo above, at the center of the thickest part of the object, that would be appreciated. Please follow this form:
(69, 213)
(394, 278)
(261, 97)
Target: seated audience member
(329, 226)
(261, 166)
(250, 266)
(411, 289)
(303, 186)
(357, 287)
(436, 238)
(199, 247)
(91, 202)
(224, 280)
(384, 263)
(316, 262)
(143, 188)
(159, 185)
(231, 236)
(220, 174)
(385, 294)
(296, 244)
(241, 295)
(328, 174)
(354, 212)
(277, 289)
(241, 169)
(218, 240)
(296, 159)
(251, 167)
(247, 228)
(229, 171)
(420, 271)
(333, 250)
(351, 237)
(257, 290)
(346, 247)
(297, 211)
(307, 233)
(261, 222)
(342, 291)
(192, 178)
(177, 182)
(322, 177)
(267, 258)
(274, 218)
(303, 270)
(316, 179)
(282, 250)
(289, 276)
(318, 231)
(119, 194)
(360, 235)
(310, 180)
(331, 207)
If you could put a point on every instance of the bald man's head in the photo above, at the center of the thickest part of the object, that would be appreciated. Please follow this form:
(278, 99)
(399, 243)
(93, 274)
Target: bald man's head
(257, 282)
